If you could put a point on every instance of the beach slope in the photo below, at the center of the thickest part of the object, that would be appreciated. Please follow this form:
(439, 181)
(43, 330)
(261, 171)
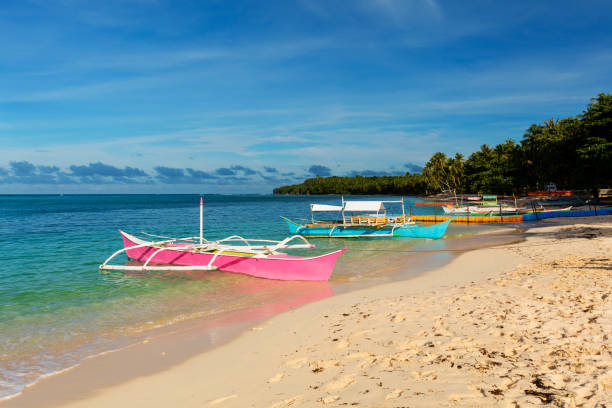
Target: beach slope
(523, 323)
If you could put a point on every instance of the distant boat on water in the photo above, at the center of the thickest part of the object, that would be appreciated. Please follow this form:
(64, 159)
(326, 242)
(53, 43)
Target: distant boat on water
(364, 219)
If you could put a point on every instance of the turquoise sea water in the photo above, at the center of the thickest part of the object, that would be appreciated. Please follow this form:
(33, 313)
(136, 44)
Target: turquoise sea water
(57, 308)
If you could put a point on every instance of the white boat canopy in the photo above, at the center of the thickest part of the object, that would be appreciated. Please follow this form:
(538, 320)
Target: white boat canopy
(372, 206)
(325, 207)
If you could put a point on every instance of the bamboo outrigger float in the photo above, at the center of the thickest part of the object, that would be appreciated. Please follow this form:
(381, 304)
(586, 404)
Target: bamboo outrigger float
(365, 219)
(254, 257)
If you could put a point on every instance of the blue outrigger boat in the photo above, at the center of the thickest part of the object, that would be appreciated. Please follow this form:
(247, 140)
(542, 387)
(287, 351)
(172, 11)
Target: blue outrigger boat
(364, 219)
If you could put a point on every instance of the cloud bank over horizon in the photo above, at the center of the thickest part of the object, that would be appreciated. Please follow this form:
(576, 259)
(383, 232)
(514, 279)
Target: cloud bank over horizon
(101, 174)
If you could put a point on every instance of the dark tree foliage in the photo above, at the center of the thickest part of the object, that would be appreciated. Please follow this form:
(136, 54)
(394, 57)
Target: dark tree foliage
(493, 170)
(444, 174)
(550, 154)
(409, 184)
(595, 149)
(573, 153)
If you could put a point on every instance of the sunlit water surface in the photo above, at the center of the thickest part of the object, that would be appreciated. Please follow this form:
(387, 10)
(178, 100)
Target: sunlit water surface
(57, 308)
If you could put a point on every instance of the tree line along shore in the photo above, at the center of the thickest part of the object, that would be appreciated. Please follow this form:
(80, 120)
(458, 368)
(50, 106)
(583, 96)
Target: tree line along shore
(574, 153)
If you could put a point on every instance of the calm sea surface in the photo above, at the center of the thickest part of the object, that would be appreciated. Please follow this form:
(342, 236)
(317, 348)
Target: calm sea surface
(57, 308)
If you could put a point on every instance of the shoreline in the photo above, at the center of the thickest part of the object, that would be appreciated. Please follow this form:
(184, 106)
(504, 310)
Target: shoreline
(200, 335)
(268, 347)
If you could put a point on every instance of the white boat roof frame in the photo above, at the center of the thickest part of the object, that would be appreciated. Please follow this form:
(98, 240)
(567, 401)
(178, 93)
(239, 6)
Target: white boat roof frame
(364, 206)
(325, 208)
(358, 206)
(354, 206)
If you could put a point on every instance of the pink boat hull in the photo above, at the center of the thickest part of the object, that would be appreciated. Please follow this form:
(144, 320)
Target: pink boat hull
(280, 267)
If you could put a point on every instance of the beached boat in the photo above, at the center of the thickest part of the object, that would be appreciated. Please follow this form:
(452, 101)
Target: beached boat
(475, 211)
(476, 202)
(364, 219)
(497, 211)
(254, 257)
(484, 211)
(507, 211)
(458, 210)
(490, 207)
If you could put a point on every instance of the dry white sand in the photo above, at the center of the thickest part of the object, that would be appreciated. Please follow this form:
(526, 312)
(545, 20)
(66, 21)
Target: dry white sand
(527, 324)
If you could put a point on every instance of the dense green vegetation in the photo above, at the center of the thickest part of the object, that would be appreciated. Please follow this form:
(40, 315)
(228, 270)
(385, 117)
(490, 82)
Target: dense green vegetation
(573, 153)
(409, 184)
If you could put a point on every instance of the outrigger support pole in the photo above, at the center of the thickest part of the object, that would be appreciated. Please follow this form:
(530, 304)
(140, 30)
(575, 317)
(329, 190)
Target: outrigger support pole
(201, 218)
(311, 214)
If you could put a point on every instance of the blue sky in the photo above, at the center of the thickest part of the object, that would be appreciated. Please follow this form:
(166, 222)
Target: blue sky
(239, 97)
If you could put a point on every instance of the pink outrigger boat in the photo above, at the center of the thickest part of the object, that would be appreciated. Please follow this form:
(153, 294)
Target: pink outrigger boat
(254, 257)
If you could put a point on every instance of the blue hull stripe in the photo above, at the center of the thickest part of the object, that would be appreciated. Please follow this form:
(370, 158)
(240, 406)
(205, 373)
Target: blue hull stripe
(417, 231)
(575, 213)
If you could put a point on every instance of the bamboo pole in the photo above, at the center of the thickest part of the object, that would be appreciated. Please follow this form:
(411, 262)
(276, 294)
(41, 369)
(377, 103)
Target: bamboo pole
(201, 219)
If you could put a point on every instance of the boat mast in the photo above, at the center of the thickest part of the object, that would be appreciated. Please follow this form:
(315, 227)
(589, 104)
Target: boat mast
(311, 214)
(201, 218)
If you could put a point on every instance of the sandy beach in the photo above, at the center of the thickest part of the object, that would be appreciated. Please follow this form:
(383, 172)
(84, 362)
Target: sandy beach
(517, 325)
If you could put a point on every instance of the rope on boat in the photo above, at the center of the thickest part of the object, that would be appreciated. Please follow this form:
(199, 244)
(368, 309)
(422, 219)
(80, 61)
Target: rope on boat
(156, 236)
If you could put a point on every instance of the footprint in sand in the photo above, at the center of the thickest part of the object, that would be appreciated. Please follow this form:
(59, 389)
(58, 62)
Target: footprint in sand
(460, 397)
(395, 394)
(330, 399)
(409, 345)
(424, 375)
(341, 383)
(297, 363)
(430, 358)
(342, 344)
(359, 354)
(220, 400)
(361, 333)
(441, 331)
(368, 362)
(405, 355)
(276, 378)
(324, 364)
(288, 402)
